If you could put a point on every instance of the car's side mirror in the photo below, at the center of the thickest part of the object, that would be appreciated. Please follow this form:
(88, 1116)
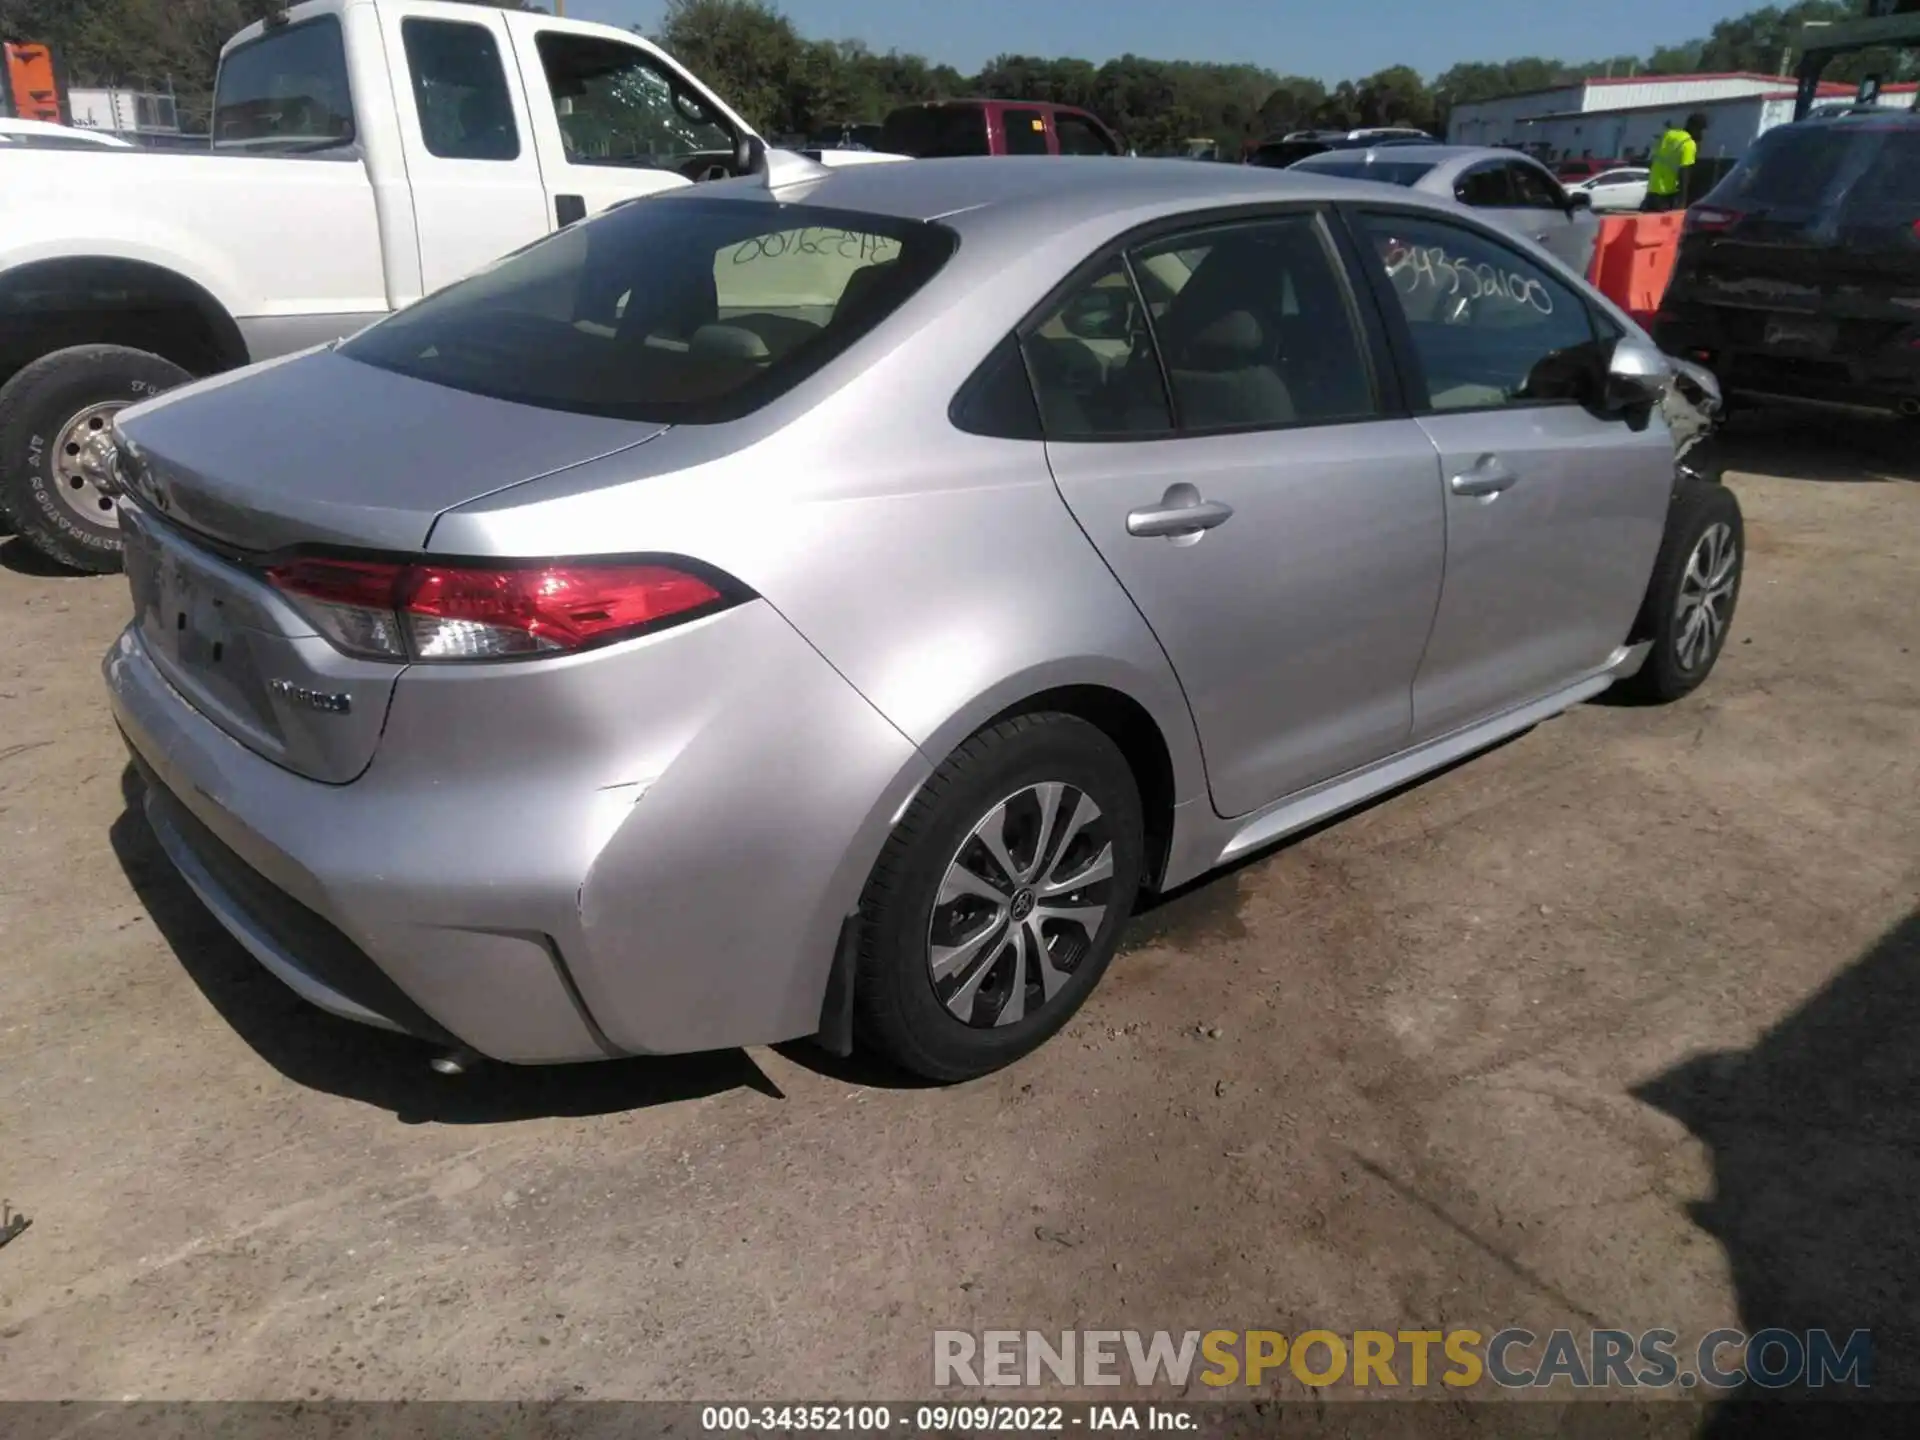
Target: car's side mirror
(1579, 200)
(749, 155)
(1637, 375)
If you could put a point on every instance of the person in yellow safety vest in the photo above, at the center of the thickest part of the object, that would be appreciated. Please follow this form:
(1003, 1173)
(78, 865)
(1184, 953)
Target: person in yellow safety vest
(1670, 169)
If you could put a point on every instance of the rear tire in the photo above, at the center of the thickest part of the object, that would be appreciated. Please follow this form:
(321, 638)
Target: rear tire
(999, 899)
(55, 447)
(1690, 603)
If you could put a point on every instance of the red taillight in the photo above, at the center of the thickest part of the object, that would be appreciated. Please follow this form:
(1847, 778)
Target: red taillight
(473, 612)
(1711, 219)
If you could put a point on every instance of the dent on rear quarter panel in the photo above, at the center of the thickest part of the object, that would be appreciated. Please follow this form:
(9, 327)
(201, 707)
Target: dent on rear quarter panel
(711, 915)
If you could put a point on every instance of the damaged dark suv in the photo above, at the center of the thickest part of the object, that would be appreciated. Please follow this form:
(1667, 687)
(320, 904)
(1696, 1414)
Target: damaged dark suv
(1798, 279)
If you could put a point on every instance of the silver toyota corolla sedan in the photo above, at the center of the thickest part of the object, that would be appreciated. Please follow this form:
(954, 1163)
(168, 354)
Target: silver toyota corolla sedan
(1515, 191)
(822, 603)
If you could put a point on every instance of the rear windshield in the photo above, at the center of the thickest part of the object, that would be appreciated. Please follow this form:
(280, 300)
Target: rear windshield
(670, 309)
(1387, 172)
(929, 132)
(1861, 167)
(286, 90)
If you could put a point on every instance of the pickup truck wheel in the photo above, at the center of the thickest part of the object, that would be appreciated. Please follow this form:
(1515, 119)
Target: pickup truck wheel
(56, 447)
(1691, 598)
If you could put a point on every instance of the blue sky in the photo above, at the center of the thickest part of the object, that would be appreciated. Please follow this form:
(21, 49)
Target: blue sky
(1326, 38)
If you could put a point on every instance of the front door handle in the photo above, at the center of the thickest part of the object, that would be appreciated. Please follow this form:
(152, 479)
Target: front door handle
(1181, 512)
(1488, 477)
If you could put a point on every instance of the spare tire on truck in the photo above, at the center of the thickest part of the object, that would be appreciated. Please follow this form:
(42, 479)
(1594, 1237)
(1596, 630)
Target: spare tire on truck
(56, 447)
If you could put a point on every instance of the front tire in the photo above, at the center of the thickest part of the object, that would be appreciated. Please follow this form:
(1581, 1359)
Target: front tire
(56, 447)
(1688, 611)
(998, 901)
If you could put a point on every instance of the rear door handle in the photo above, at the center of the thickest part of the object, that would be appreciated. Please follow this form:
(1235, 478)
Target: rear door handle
(1488, 477)
(1180, 512)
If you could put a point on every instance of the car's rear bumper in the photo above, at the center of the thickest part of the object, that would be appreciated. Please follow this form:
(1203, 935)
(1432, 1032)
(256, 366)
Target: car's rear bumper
(632, 852)
(1879, 379)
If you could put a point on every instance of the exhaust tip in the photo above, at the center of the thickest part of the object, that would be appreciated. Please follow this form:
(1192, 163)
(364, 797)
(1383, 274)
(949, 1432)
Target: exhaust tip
(454, 1062)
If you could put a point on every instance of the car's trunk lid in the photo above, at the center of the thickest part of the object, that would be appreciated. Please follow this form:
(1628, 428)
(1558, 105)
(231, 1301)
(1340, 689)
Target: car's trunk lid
(320, 451)
(323, 450)
(243, 657)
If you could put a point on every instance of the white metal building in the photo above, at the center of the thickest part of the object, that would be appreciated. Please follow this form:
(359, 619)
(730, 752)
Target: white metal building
(1623, 117)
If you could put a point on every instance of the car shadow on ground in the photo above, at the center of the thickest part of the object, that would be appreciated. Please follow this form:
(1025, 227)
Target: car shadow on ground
(339, 1057)
(21, 558)
(1815, 1141)
(1810, 446)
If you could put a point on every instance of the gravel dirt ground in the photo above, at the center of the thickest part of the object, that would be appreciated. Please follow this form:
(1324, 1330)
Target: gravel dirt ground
(1612, 1026)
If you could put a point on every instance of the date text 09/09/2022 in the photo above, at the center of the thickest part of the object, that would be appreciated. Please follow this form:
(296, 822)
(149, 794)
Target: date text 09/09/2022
(997, 1419)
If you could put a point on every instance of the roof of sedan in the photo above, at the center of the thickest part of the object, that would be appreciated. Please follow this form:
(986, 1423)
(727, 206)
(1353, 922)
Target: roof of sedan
(1433, 154)
(939, 189)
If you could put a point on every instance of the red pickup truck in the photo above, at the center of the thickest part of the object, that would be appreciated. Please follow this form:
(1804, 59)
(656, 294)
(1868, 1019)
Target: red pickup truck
(994, 127)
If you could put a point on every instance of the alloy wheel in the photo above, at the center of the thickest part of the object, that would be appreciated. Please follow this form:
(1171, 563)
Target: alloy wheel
(1706, 596)
(1020, 905)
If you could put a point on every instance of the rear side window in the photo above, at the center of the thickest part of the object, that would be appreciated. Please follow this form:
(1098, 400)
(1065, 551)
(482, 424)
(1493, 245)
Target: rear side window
(460, 91)
(1387, 172)
(1025, 132)
(1249, 324)
(286, 90)
(1257, 330)
(929, 132)
(676, 310)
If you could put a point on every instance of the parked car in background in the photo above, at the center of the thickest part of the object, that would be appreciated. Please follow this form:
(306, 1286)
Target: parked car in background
(1574, 171)
(47, 135)
(1798, 277)
(1515, 190)
(948, 128)
(1614, 191)
(364, 153)
(839, 641)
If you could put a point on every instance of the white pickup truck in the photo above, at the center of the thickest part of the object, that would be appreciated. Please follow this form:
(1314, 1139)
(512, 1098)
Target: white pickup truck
(364, 153)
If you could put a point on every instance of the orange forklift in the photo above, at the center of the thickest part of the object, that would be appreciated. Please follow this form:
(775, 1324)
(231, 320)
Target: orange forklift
(33, 86)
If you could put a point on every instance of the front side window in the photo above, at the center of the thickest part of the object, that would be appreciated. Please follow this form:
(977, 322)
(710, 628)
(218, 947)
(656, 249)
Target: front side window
(679, 310)
(1261, 331)
(1487, 188)
(285, 91)
(1490, 327)
(1026, 132)
(617, 105)
(460, 91)
(1533, 190)
(1078, 136)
